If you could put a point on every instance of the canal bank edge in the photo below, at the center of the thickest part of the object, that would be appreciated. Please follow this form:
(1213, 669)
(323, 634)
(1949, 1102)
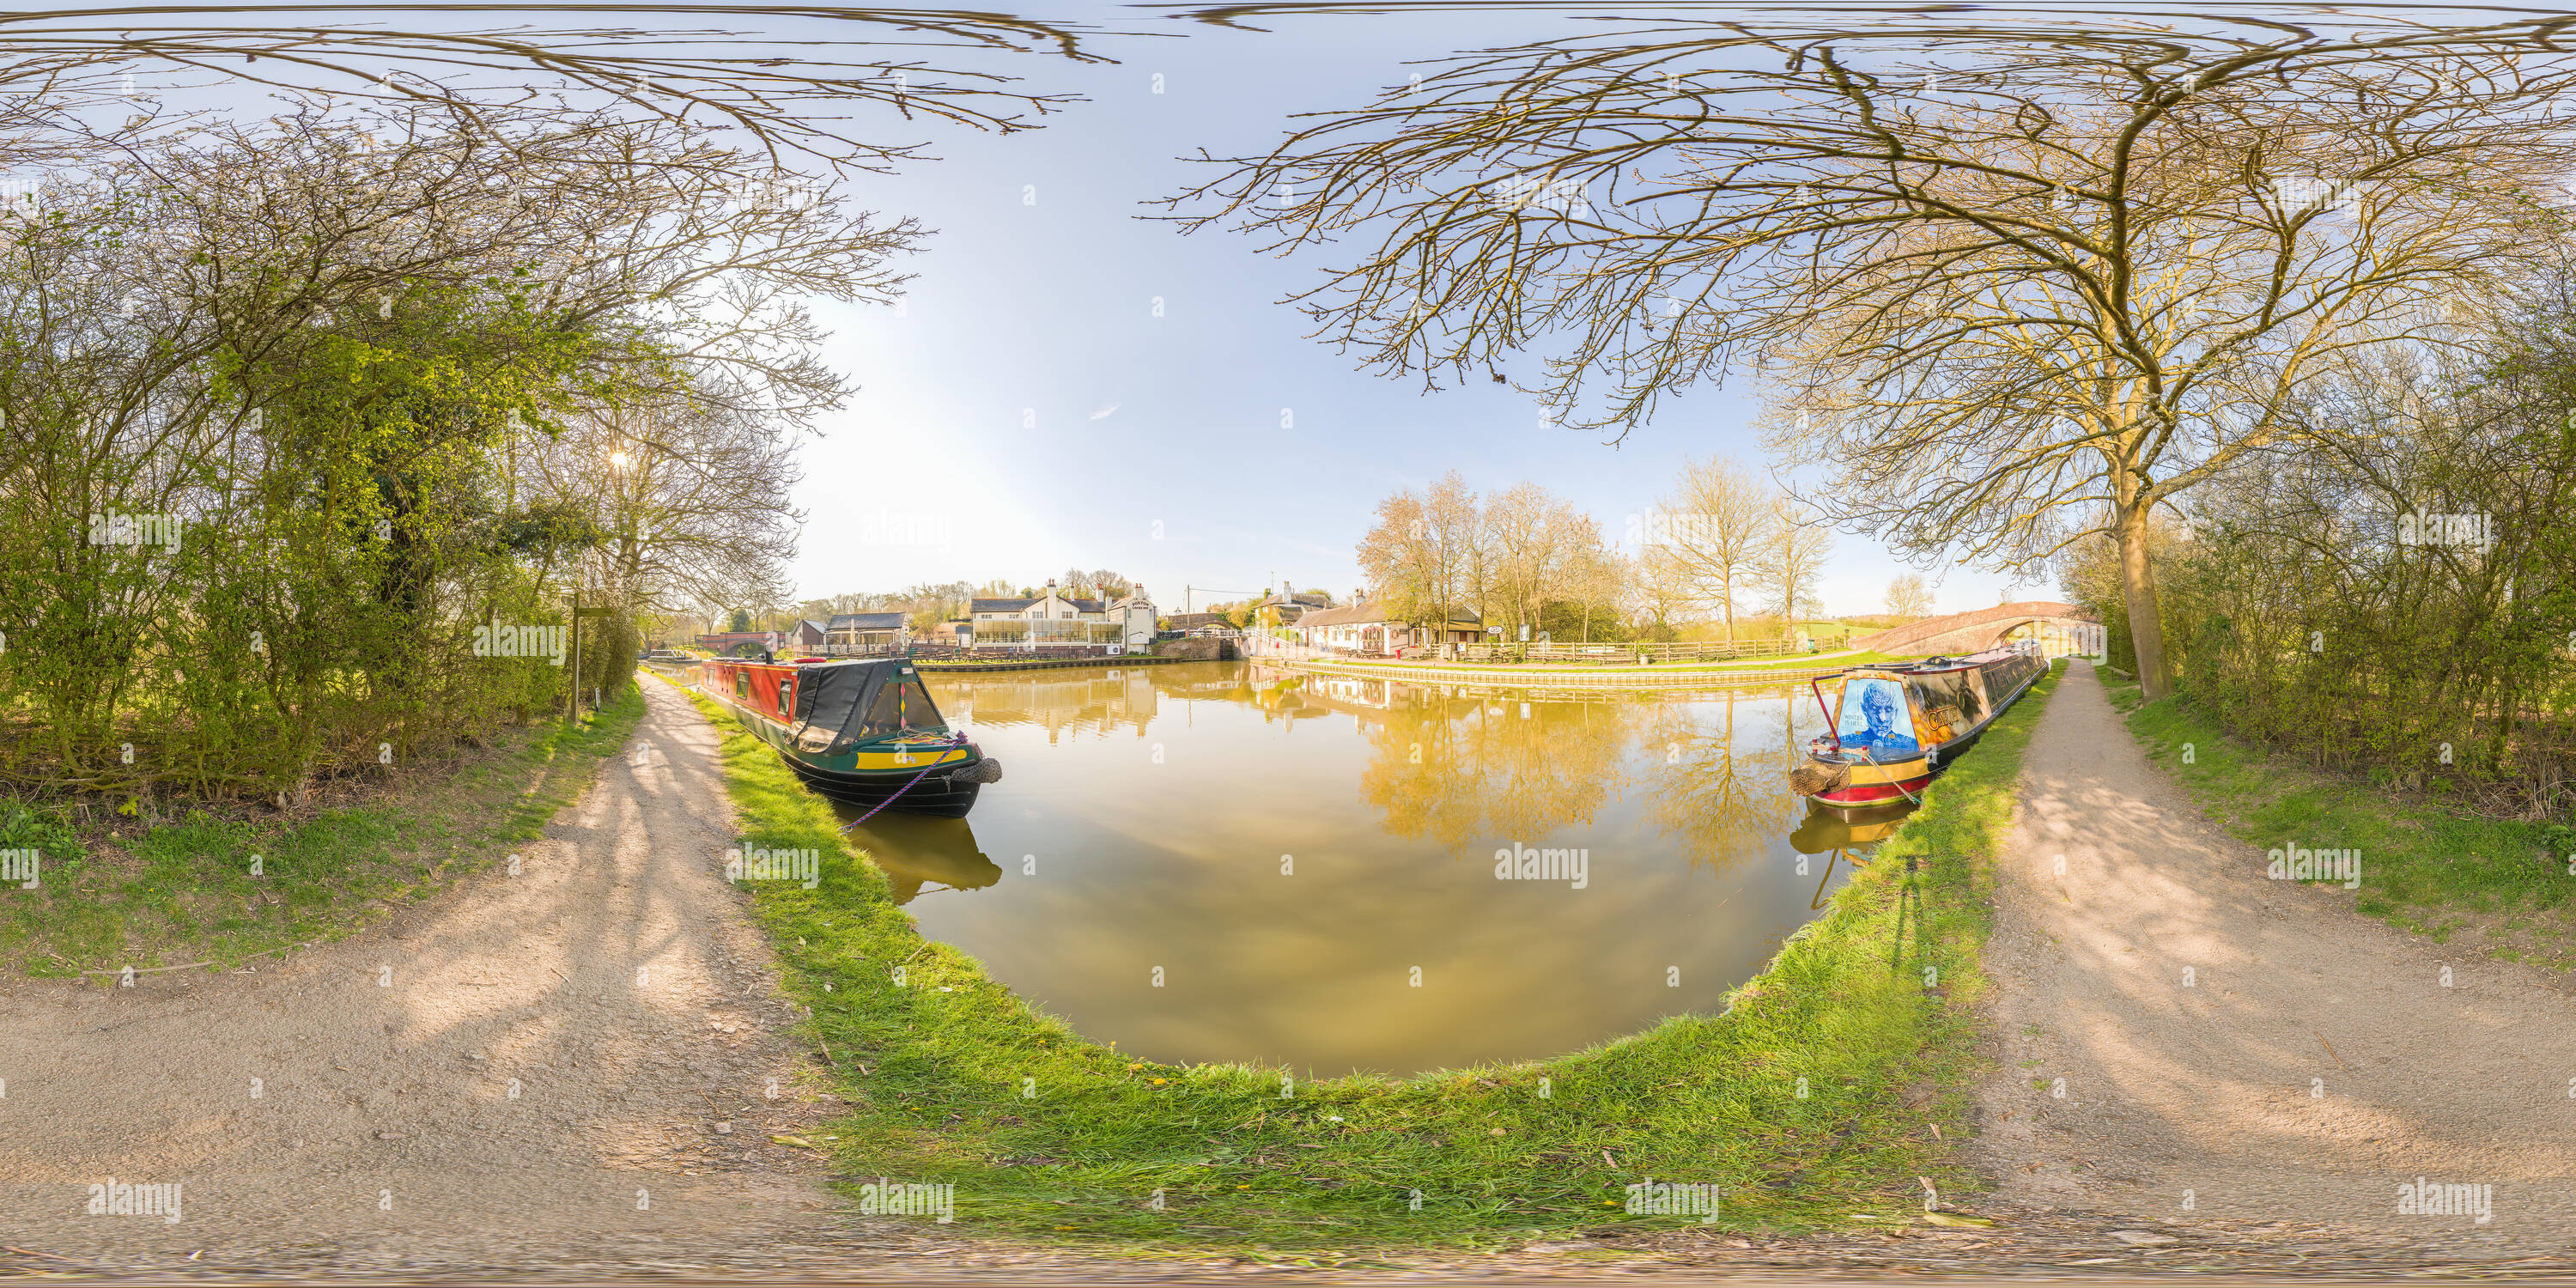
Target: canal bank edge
(1811, 1103)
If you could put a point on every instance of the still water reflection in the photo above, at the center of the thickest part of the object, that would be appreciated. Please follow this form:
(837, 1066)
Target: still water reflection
(1309, 862)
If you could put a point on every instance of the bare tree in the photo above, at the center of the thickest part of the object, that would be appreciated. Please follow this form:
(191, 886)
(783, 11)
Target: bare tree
(1659, 589)
(1909, 598)
(1417, 553)
(1400, 558)
(1596, 578)
(1714, 530)
(2011, 290)
(1792, 560)
(1531, 536)
(690, 500)
(798, 103)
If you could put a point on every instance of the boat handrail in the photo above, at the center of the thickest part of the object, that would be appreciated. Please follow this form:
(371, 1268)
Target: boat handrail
(1837, 734)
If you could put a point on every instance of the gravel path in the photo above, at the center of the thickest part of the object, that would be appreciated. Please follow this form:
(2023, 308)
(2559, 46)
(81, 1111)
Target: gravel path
(2240, 1050)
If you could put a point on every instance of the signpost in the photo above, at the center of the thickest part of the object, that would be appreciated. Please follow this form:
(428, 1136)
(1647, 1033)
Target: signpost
(572, 706)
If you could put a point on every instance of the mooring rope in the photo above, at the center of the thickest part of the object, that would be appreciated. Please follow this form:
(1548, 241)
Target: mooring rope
(944, 749)
(1872, 758)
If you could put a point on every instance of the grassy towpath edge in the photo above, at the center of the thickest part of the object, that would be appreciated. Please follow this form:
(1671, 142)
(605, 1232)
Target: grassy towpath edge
(181, 892)
(2502, 884)
(1811, 1102)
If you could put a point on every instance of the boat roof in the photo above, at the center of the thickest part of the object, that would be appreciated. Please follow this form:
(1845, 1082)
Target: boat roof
(1930, 665)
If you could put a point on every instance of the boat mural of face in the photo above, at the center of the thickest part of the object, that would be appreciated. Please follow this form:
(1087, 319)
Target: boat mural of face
(1874, 720)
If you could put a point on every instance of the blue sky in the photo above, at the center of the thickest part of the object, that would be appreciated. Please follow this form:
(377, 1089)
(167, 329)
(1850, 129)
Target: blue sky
(1028, 413)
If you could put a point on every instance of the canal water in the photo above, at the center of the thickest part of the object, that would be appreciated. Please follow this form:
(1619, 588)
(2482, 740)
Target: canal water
(1225, 861)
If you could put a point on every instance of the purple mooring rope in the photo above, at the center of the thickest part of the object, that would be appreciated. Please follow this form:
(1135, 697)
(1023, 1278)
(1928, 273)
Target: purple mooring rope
(898, 792)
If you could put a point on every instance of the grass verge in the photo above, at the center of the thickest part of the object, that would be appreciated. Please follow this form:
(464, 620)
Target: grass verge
(1811, 1101)
(181, 892)
(2497, 884)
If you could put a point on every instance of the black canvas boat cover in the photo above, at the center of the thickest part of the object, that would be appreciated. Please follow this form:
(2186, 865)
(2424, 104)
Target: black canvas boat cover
(829, 699)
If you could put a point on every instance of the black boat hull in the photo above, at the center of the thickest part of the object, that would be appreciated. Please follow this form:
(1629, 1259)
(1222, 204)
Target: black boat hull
(935, 794)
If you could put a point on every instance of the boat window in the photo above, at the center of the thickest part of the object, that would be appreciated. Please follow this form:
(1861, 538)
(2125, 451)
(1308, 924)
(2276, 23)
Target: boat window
(901, 705)
(1948, 705)
(741, 683)
(1951, 691)
(786, 687)
(1875, 719)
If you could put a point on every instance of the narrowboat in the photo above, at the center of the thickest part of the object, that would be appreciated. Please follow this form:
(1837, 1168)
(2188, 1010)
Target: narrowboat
(862, 730)
(1893, 728)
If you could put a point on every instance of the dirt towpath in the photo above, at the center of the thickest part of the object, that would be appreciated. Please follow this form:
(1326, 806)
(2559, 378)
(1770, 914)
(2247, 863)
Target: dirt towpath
(2252, 1044)
(529, 1068)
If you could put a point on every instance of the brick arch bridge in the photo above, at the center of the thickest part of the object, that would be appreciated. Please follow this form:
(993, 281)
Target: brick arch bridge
(1969, 632)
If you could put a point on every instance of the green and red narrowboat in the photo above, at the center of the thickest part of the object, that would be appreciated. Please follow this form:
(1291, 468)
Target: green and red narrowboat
(1892, 729)
(862, 730)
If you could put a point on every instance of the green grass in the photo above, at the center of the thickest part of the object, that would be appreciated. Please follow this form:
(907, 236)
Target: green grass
(181, 891)
(1046, 1135)
(2422, 866)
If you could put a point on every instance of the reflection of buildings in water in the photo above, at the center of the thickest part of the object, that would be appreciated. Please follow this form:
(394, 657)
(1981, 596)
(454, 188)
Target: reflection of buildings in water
(1059, 702)
(917, 851)
(1200, 680)
(1348, 691)
(1300, 695)
(1282, 699)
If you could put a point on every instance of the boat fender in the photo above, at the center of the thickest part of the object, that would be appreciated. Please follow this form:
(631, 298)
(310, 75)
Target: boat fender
(987, 770)
(1817, 777)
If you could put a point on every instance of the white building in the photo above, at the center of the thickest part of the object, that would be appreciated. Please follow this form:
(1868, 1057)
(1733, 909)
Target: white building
(1055, 618)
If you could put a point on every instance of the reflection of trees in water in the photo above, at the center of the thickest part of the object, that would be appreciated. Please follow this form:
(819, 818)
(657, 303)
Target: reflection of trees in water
(1459, 770)
(1723, 803)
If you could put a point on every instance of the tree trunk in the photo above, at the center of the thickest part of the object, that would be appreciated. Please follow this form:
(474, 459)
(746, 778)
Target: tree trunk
(2138, 588)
